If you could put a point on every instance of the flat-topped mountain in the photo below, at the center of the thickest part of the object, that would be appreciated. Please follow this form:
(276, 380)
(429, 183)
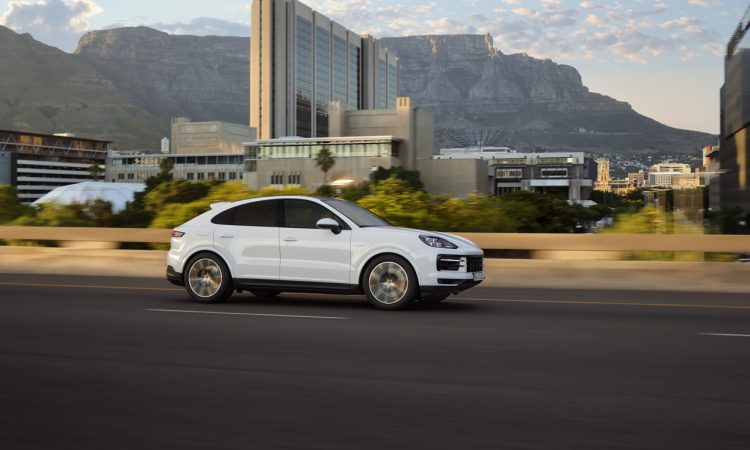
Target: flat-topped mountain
(528, 102)
(126, 84)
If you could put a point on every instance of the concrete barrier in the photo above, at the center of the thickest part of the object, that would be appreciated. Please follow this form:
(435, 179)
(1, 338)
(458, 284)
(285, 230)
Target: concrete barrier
(532, 274)
(489, 241)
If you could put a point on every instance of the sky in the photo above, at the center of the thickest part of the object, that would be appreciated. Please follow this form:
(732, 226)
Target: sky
(664, 57)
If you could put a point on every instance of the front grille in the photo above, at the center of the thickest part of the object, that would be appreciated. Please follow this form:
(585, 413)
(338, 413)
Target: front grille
(445, 262)
(474, 264)
(457, 263)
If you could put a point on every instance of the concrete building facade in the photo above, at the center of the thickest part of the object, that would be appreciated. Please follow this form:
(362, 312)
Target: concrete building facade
(37, 163)
(208, 137)
(677, 175)
(291, 161)
(134, 167)
(566, 175)
(414, 127)
(301, 61)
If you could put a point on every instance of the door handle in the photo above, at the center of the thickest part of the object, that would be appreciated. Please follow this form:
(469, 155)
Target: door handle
(289, 239)
(226, 236)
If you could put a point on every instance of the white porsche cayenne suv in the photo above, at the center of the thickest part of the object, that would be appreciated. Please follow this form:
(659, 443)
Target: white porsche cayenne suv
(317, 245)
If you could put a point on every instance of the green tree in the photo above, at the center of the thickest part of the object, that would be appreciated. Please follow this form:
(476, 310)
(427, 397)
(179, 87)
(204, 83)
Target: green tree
(166, 165)
(410, 176)
(96, 172)
(175, 214)
(325, 161)
(394, 200)
(10, 208)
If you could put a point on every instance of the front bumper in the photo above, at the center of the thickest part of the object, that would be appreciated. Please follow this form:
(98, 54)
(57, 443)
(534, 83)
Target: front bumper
(174, 277)
(427, 292)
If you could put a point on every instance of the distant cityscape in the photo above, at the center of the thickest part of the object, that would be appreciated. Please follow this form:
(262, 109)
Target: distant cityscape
(342, 98)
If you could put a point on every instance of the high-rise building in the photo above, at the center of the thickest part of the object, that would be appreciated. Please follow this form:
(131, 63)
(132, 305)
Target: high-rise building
(301, 61)
(735, 120)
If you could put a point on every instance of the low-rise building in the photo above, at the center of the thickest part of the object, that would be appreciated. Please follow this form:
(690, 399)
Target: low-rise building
(291, 161)
(208, 137)
(677, 175)
(135, 167)
(569, 175)
(37, 163)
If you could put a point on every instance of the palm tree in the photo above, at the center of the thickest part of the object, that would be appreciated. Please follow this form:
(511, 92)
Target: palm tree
(165, 168)
(96, 171)
(325, 160)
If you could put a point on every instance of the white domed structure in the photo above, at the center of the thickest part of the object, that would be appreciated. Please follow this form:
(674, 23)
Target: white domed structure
(118, 194)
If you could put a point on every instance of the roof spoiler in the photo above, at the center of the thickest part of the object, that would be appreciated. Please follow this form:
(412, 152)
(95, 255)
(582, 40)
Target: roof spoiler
(220, 205)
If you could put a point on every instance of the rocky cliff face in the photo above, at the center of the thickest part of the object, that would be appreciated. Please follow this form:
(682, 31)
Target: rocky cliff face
(125, 85)
(531, 102)
(204, 78)
(49, 91)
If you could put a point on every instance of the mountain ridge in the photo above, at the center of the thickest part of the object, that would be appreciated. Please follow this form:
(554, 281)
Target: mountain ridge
(470, 85)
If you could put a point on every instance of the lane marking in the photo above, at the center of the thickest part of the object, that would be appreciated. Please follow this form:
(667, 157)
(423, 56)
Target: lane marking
(286, 316)
(725, 334)
(575, 302)
(93, 286)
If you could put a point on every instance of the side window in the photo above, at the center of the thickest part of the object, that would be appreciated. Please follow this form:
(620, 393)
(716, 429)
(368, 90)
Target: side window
(306, 214)
(256, 214)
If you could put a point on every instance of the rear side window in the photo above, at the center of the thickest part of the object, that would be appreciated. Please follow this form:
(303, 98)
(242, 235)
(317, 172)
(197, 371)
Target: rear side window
(306, 214)
(256, 214)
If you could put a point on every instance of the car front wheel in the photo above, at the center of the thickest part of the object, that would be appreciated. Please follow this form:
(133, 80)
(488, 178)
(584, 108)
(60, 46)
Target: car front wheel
(390, 283)
(207, 279)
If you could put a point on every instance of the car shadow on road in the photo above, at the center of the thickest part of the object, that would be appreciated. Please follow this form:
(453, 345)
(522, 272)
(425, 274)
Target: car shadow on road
(338, 302)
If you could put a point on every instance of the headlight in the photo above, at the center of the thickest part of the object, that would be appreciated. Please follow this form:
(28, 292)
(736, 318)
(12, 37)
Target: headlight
(437, 242)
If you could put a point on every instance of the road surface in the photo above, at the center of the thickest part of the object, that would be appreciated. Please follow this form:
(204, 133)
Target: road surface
(118, 363)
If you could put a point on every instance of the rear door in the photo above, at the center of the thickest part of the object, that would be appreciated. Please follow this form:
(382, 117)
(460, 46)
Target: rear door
(249, 236)
(311, 255)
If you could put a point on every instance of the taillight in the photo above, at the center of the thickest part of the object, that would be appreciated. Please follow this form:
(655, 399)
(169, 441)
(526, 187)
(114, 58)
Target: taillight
(176, 233)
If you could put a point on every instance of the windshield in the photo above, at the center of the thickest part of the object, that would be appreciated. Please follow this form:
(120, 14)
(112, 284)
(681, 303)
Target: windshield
(358, 215)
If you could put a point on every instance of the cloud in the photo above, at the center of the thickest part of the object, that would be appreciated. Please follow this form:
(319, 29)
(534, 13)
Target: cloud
(704, 3)
(52, 20)
(206, 26)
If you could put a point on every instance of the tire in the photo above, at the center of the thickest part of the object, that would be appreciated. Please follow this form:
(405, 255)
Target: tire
(389, 283)
(433, 298)
(265, 294)
(207, 279)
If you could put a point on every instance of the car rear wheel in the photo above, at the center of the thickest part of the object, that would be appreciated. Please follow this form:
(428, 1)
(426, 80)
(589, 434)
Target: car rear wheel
(207, 279)
(390, 283)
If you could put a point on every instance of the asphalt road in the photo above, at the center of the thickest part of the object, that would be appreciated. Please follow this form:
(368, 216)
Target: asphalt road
(101, 363)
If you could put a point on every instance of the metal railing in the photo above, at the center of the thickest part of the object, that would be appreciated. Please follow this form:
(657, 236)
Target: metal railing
(704, 243)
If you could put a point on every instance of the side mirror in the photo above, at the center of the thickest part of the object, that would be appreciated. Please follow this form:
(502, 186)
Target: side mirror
(329, 224)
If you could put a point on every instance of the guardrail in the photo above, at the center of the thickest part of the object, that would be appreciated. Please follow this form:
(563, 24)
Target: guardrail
(703, 243)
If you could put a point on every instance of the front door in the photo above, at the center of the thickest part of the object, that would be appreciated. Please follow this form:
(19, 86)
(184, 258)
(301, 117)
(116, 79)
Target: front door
(310, 255)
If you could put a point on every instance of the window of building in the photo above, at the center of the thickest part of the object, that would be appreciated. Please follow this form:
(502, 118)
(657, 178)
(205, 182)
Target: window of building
(131, 176)
(120, 176)
(509, 161)
(509, 173)
(222, 175)
(190, 176)
(502, 190)
(554, 160)
(211, 175)
(555, 173)
(201, 175)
